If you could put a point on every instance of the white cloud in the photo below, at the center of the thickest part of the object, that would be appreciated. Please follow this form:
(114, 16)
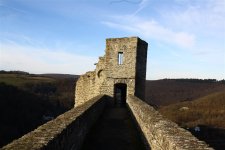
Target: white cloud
(195, 27)
(152, 29)
(34, 60)
(202, 17)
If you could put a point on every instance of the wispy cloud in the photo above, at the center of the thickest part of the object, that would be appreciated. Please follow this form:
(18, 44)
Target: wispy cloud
(152, 29)
(195, 27)
(203, 17)
(17, 38)
(35, 60)
(142, 5)
(12, 9)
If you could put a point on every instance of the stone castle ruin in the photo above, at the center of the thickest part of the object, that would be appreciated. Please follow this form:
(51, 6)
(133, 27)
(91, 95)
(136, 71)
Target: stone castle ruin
(118, 80)
(120, 72)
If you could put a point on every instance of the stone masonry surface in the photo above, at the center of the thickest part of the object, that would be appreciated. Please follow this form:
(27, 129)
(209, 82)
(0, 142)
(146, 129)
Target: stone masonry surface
(66, 132)
(160, 133)
(109, 72)
(124, 63)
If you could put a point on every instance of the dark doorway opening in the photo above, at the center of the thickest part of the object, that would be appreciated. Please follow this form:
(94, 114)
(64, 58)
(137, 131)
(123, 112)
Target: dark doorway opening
(120, 94)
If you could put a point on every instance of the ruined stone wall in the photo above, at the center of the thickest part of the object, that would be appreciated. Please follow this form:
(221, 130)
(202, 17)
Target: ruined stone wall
(109, 72)
(85, 88)
(160, 133)
(66, 132)
(100, 75)
(89, 85)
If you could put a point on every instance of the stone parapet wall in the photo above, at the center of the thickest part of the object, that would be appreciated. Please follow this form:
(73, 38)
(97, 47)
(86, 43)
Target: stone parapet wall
(85, 88)
(66, 132)
(160, 133)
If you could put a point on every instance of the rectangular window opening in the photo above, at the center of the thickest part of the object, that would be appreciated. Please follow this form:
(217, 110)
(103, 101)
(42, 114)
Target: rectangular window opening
(120, 58)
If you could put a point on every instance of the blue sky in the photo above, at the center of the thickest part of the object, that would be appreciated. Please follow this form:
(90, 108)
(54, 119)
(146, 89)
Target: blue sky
(186, 37)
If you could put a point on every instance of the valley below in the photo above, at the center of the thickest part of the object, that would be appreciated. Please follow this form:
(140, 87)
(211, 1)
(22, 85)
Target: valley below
(30, 100)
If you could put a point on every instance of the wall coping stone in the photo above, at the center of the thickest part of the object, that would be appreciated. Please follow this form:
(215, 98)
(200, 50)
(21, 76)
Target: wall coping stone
(160, 133)
(47, 133)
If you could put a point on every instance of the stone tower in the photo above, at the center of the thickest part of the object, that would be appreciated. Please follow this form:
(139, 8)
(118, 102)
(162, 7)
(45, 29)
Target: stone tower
(120, 72)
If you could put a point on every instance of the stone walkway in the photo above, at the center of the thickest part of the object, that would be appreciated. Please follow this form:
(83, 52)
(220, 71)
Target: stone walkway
(115, 130)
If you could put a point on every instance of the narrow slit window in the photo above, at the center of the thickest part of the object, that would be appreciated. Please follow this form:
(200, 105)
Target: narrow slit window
(120, 58)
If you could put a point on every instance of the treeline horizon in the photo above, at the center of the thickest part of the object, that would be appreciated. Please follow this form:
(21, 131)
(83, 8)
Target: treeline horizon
(199, 80)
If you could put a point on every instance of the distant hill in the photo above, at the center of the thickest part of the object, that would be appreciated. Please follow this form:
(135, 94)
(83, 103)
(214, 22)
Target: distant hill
(206, 114)
(169, 91)
(27, 99)
(208, 110)
(13, 72)
(62, 76)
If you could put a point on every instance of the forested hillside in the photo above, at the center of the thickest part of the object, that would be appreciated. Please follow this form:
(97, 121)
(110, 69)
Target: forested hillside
(27, 101)
(208, 110)
(170, 91)
(206, 113)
